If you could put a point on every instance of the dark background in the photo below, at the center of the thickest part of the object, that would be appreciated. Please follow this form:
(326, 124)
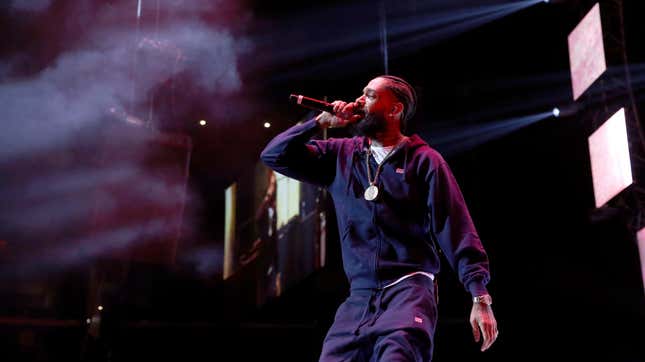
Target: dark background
(566, 277)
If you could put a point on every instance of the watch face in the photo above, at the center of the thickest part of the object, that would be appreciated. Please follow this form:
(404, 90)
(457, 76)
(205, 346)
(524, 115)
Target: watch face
(483, 299)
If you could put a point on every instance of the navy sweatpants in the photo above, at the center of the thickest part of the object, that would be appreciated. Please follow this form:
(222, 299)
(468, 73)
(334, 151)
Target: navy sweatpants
(393, 324)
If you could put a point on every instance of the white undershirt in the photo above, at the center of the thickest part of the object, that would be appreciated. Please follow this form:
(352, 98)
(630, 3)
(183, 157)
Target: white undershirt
(426, 274)
(379, 153)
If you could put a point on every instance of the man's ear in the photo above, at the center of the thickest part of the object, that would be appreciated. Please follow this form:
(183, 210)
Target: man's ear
(396, 108)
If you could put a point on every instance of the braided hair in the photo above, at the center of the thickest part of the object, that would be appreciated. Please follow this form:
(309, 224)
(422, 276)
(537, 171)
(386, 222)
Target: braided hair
(404, 93)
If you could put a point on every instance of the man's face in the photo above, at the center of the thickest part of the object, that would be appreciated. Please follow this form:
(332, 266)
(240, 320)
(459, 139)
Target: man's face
(378, 103)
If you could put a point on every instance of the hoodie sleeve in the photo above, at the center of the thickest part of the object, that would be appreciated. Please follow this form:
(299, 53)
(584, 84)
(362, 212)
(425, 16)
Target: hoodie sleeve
(292, 153)
(455, 232)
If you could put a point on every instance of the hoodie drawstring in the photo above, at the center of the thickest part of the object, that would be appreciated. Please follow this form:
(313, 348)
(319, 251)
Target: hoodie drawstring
(372, 310)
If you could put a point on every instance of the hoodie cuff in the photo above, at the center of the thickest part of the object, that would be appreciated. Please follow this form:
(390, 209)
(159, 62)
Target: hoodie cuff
(477, 288)
(311, 123)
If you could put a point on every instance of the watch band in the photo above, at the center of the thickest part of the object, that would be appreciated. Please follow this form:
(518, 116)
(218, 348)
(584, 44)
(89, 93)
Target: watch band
(483, 299)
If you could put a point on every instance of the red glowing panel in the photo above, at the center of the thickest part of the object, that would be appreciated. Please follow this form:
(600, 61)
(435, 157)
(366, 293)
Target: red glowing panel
(640, 236)
(610, 164)
(586, 52)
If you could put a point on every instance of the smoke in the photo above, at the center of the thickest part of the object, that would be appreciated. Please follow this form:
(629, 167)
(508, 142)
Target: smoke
(30, 5)
(104, 189)
(81, 146)
(74, 252)
(42, 112)
(207, 262)
(116, 69)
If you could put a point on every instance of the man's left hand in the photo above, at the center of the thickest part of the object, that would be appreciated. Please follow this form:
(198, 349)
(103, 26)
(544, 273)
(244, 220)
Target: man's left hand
(482, 318)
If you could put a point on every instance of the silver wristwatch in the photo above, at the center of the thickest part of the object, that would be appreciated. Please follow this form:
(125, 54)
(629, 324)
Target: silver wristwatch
(483, 299)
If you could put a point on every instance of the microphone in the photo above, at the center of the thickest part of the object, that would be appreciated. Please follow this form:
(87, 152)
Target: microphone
(316, 104)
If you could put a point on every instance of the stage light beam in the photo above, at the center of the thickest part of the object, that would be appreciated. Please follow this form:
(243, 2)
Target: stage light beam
(640, 237)
(407, 31)
(452, 139)
(556, 112)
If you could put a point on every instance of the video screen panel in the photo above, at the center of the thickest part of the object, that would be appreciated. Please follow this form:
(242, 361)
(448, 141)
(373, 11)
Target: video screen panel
(275, 231)
(230, 223)
(640, 236)
(586, 52)
(610, 162)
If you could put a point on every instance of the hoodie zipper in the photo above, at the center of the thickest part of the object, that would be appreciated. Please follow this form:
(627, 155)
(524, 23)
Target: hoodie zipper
(379, 239)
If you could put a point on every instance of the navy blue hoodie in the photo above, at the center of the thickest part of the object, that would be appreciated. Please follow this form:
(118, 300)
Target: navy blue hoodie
(419, 206)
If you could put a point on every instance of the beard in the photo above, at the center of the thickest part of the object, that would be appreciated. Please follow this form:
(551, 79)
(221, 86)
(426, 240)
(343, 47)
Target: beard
(370, 125)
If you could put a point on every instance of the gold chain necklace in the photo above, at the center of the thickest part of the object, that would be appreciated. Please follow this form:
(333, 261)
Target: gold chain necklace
(372, 191)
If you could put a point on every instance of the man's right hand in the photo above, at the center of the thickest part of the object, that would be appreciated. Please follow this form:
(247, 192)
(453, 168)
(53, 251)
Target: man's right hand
(345, 114)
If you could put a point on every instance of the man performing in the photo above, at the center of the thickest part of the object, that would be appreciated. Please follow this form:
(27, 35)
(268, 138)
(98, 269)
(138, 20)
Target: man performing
(396, 200)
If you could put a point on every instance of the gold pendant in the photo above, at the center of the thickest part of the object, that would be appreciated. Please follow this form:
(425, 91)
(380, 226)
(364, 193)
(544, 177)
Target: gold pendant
(371, 193)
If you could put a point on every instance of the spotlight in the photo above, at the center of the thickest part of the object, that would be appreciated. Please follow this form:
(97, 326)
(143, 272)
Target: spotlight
(565, 110)
(202, 123)
(100, 307)
(552, 2)
(267, 124)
